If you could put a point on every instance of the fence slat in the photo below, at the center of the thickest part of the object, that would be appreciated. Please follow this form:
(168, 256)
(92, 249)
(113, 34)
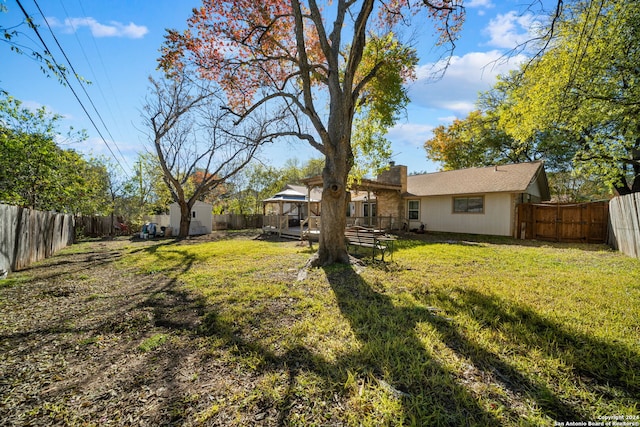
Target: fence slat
(27, 236)
(236, 221)
(624, 220)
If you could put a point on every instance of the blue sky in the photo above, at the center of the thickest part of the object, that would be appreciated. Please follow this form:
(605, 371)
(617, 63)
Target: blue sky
(115, 45)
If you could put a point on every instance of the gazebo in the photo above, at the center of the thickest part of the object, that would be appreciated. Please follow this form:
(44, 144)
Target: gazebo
(288, 212)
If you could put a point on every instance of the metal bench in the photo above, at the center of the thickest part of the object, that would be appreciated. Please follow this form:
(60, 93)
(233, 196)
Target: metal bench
(368, 238)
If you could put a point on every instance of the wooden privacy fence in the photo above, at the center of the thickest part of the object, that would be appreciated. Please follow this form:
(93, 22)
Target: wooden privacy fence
(27, 235)
(237, 221)
(581, 222)
(94, 226)
(624, 229)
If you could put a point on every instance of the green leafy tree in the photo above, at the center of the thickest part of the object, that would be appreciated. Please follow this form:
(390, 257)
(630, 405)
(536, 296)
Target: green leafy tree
(473, 141)
(572, 187)
(259, 182)
(291, 59)
(87, 185)
(382, 102)
(262, 182)
(585, 88)
(35, 172)
(146, 188)
(482, 138)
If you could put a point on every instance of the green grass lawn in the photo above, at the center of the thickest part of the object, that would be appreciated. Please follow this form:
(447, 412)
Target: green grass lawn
(493, 332)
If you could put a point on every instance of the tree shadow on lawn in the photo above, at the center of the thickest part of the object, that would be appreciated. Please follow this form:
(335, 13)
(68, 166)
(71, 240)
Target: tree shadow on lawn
(607, 368)
(66, 265)
(109, 316)
(391, 357)
(392, 352)
(175, 382)
(412, 240)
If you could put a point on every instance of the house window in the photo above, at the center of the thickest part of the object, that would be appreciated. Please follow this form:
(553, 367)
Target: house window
(473, 204)
(193, 214)
(369, 210)
(414, 209)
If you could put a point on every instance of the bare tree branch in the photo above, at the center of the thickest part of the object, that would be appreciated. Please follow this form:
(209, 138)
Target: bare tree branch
(192, 134)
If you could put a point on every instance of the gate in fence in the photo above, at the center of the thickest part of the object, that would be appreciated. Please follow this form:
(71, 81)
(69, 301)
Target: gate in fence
(579, 222)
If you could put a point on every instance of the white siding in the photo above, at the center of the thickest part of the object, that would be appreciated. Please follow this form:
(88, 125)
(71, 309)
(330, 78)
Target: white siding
(437, 214)
(202, 223)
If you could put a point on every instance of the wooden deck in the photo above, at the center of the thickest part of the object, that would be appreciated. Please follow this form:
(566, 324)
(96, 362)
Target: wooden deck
(279, 224)
(293, 233)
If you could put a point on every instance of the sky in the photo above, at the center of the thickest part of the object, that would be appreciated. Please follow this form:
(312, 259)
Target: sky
(115, 46)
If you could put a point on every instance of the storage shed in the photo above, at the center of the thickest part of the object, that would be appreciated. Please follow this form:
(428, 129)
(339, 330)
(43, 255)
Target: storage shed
(201, 218)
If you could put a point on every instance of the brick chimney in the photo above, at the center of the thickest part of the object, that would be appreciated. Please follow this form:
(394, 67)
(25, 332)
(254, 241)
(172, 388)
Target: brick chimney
(395, 175)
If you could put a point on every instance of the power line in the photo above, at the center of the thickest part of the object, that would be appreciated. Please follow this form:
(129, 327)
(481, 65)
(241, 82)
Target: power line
(93, 73)
(62, 72)
(79, 81)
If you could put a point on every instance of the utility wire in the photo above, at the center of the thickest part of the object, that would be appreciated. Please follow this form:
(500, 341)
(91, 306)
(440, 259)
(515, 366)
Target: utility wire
(60, 70)
(93, 73)
(77, 76)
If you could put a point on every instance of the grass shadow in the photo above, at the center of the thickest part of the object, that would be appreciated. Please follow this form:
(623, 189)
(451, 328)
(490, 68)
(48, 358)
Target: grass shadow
(392, 354)
(104, 334)
(609, 369)
(293, 363)
(412, 240)
(391, 357)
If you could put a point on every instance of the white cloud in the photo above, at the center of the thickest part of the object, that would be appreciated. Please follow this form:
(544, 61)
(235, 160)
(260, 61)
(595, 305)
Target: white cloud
(96, 147)
(457, 90)
(112, 29)
(511, 29)
(411, 134)
(33, 106)
(447, 119)
(479, 3)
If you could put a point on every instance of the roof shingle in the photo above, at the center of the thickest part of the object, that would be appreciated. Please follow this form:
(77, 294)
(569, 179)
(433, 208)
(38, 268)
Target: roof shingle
(513, 178)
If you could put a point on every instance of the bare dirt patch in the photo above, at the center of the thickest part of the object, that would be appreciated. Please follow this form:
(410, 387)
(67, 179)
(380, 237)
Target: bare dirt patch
(88, 342)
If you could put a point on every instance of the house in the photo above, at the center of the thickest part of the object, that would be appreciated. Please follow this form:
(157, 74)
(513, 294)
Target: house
(201, 218)
(374, 202)
(476, 200)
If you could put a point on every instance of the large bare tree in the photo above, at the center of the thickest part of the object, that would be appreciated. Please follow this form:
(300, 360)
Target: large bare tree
(191, 133)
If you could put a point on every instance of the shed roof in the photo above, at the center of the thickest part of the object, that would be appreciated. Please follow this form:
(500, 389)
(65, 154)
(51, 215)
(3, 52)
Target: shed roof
(513, 178)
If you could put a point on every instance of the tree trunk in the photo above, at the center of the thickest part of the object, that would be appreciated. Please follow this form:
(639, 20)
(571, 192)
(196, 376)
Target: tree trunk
(332, 246)
(185, 219)
(333, 219)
